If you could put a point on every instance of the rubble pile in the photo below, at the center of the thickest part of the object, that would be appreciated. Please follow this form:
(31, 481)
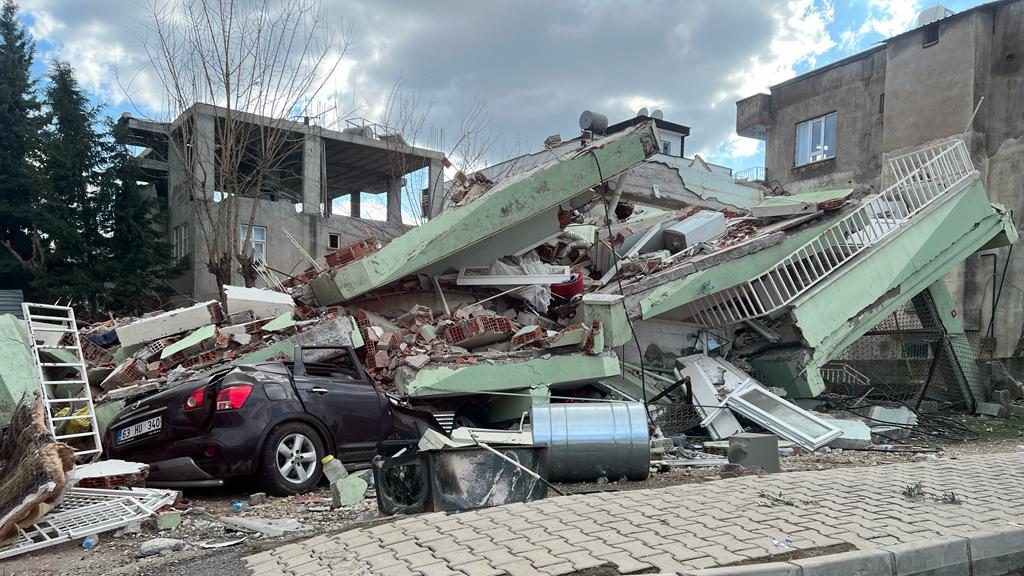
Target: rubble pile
(32, 469)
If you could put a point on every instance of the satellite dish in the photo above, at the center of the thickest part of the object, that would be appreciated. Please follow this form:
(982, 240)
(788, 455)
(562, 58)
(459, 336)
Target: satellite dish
(642, 111)
(658, 115)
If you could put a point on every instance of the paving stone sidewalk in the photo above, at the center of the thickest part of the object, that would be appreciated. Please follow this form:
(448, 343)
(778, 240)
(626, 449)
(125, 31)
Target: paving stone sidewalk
(677, 528)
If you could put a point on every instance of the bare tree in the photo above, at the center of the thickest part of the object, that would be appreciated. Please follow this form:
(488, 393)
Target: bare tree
(406, 114)
(260, 64)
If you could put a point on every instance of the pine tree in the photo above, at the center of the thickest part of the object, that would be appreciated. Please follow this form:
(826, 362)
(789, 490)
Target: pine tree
(20, 121)
(139, 260)
(70, 206)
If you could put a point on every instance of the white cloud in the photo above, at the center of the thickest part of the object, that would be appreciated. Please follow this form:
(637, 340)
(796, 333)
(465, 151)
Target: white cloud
(799, 36)
(99, 43)
(885, 18)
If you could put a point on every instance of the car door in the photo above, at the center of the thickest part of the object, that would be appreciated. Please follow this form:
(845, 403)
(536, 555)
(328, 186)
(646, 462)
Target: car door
(340, 396)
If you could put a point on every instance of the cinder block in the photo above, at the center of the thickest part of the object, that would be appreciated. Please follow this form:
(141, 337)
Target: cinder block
(997, 552)
(755, 450)
(991, 409)
(940, 556)
(1000, 397)
(859, 563)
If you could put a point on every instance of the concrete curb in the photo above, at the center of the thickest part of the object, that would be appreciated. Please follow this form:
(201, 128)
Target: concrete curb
(989, 553)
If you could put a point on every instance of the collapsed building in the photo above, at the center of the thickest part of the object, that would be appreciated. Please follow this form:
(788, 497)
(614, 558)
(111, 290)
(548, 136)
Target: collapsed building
(726, 304)
(534, 287)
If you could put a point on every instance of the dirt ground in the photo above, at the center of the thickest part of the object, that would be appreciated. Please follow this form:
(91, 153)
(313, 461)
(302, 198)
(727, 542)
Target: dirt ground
(116, 555)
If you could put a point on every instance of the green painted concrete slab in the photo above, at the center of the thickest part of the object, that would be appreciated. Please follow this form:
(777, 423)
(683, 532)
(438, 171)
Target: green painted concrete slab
(714, 185)
(280, 323)
(17, 375)
(676, 293)
(495, 377)
(193, 339)
(806, 197)
(510, 204)
(936, 240)
(851, 302)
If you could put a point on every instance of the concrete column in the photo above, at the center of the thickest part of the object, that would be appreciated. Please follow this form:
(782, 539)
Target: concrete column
(312, 154)
(354, 200)
(204, 148)
(395, 201)
(435, 180)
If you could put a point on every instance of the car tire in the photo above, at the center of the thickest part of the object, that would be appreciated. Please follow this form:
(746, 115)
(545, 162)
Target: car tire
(304, 472)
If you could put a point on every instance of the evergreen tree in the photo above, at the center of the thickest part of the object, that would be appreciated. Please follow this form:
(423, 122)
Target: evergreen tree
(139, 259)
(70, 207)
(19, 126)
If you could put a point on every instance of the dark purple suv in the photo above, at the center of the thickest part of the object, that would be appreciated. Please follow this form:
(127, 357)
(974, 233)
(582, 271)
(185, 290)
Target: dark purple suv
(275, 420)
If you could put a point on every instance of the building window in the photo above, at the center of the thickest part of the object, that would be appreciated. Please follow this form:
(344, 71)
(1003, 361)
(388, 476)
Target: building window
(881, 103)
(666, 147)
(931, 35)
(258, 241)
(334, 241)
(180, 241)
(816, 139)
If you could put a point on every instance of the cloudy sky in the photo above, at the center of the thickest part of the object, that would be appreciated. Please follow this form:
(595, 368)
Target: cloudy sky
(533, 65)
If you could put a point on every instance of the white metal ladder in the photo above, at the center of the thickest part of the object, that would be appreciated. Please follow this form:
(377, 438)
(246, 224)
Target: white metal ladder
(71, 392)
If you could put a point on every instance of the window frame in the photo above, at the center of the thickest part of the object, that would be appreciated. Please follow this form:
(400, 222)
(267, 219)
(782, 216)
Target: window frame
(333, 240)
(811, 157)
(260, 253)
(180, 241)
(666, 147)
(927, 32)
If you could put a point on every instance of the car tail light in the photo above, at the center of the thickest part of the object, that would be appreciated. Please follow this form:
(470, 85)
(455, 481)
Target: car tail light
(196, 399)
(233, 397)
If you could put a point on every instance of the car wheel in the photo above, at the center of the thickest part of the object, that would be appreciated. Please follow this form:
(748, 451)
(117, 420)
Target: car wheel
(290, 463)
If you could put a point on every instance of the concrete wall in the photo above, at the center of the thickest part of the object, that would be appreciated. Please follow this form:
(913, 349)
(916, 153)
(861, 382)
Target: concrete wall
(930, 94)
(930, 91)
(310, 230)
(852, 90)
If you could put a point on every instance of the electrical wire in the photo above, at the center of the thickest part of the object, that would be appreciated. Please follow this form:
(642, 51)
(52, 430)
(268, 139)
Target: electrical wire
(618, 277)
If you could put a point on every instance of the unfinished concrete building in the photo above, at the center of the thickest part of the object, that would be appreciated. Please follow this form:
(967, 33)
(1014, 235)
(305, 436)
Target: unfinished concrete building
(297, 208)
(954, 74)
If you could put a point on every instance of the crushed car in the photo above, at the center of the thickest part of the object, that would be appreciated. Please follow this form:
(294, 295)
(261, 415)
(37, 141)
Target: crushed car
(272, 420)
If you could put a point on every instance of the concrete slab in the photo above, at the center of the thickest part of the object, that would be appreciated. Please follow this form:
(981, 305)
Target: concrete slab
(858, 563)
(17, 375)
(997, 552)
(272, 528)
(262, 303)
(856, 434)
(517, 211)
(938, 556)
(196, 338)
(552, 370)
(170, 323)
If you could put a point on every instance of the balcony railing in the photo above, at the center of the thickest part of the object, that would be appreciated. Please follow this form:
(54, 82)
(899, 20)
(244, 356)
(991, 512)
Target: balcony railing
(922, 177)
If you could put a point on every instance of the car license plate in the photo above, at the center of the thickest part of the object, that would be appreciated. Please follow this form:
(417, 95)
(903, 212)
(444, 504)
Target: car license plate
(139, 429)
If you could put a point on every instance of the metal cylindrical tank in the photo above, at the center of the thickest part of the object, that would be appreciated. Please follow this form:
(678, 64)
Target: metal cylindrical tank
(588, 441)
(593, 121)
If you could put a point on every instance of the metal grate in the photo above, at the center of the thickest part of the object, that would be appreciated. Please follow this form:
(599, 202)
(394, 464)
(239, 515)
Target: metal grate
(86, 511)
(922, 177)
(909, 357)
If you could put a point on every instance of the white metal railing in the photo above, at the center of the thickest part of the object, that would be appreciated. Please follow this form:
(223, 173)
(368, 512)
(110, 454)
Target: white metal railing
(922, 176)
(840, 373)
